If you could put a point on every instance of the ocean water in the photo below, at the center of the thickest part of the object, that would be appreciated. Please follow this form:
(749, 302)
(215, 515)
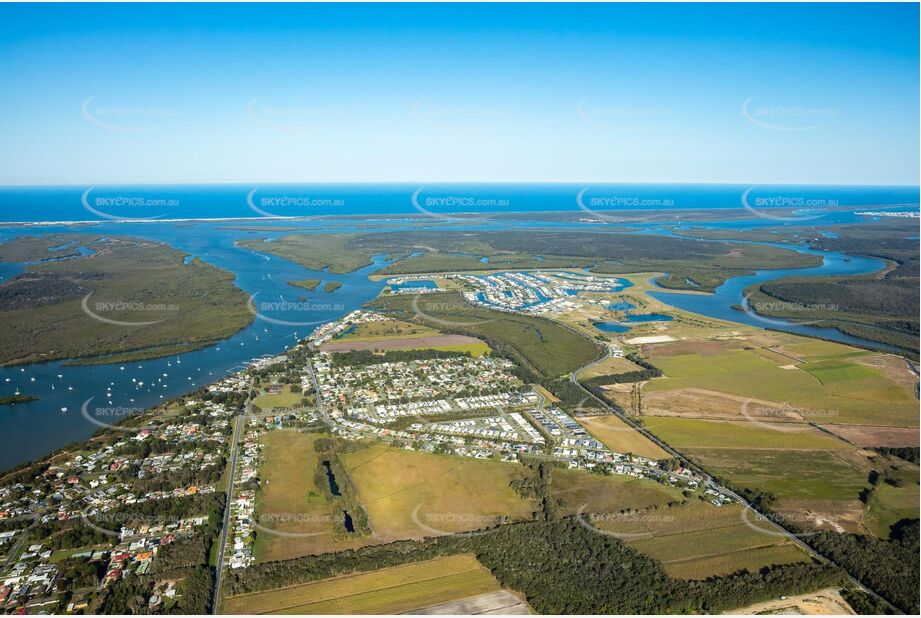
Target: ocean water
(100, 203)
(287, 313)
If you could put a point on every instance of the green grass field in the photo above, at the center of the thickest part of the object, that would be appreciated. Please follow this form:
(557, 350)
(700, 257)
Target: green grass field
(890, 504)
(387, 591)
(694, 433)
(409, 494)
(749, 558)
(608, 494)
(289, 502)
(698, 540)
(834, 391)
(391, 329)
(284, 399)
(800, 475)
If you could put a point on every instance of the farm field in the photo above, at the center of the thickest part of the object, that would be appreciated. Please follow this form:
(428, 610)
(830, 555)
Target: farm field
(750, 559)
(620, 437)
(387, 591)
(409, 495)
(814, 478)
(697, 540)
(839, 390)
(867, 435)
(283, 399)
(288, 500)
(694, 433)
(608, 494)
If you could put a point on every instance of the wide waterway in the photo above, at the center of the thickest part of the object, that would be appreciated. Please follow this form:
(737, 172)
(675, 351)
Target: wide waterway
(28, 431)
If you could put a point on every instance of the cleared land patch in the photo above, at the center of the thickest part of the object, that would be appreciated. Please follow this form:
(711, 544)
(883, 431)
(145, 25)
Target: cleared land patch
(866, 435)
(386, 591)
(452, 343)
(409, 494)
(289, 501)
(707, 404)
(834, 391)
(608, 494)
(283, 399)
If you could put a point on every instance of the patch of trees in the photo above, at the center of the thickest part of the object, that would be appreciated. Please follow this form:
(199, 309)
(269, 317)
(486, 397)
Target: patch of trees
(889, 567)
(68, 534)
(885, 245)
(131, 594)
(863, 295)
(346, 501)
(908, 453)
(74, 573)
(865, 604)
(183, 553)
(647, 372)
(563, 568)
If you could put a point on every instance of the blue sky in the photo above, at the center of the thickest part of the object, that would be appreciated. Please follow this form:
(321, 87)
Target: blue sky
(809, 93)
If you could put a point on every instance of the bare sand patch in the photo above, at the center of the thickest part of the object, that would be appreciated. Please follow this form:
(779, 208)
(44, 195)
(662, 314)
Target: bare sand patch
(651, 339)
(827, 602)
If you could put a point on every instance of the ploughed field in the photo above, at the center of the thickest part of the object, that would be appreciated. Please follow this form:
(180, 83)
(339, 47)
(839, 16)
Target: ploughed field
(386, 591)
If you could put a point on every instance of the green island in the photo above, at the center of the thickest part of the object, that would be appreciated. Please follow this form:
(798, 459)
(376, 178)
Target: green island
(129, 299)
(307, 284)
(331, 286)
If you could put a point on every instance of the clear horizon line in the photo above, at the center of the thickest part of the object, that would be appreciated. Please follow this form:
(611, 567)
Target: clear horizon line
(440, 182)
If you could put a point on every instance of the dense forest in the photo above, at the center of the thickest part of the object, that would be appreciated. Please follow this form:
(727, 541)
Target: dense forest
(889, 567)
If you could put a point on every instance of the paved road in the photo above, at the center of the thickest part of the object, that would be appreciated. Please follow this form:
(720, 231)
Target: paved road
(321, 405)
(238, 427)
(20, 541)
